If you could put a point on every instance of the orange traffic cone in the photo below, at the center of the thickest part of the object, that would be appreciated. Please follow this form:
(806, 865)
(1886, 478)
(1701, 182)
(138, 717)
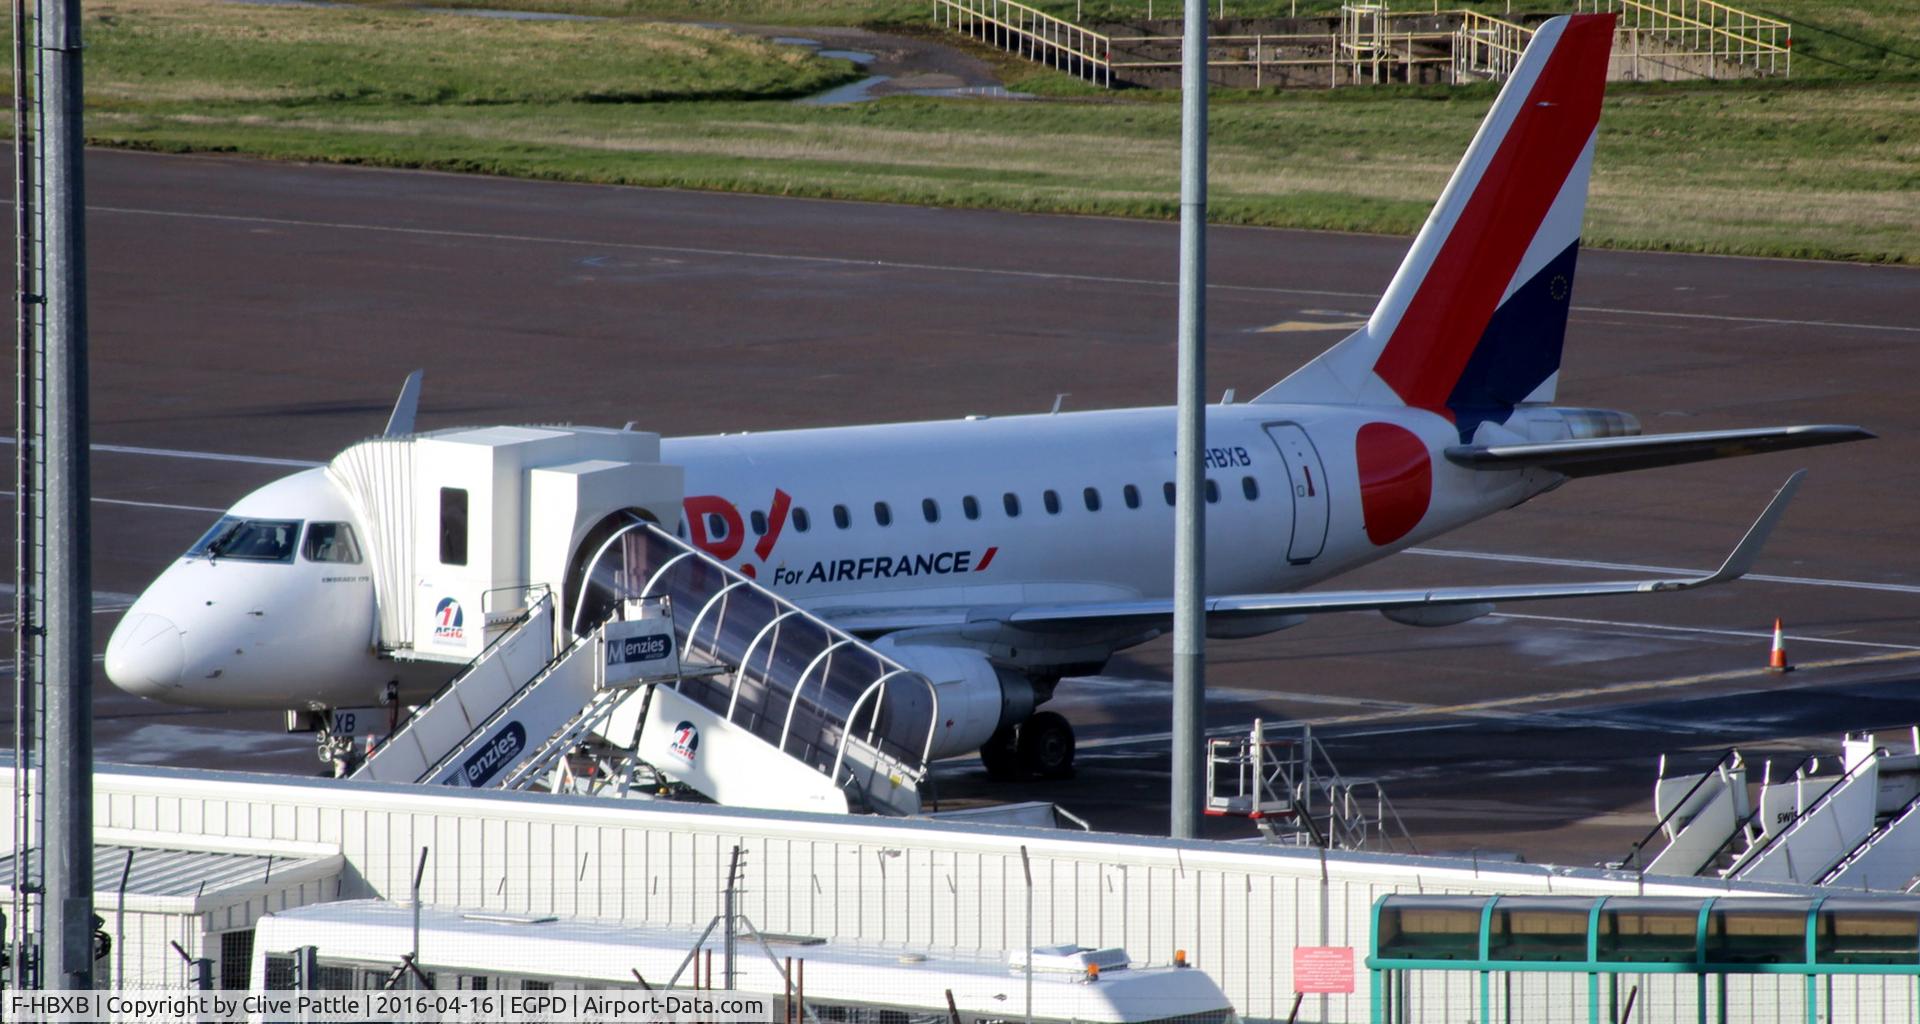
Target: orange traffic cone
(1778, 662)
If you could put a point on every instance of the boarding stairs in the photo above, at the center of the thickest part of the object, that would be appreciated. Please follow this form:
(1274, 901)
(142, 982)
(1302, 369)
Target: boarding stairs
(1289, 787)
(1857, 827)
(763, 704)
(1697, 816)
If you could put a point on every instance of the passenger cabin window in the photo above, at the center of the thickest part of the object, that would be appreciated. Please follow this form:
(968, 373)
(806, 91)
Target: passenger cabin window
(253, 540)
(1250, 488)
(931, 509)
(1052, 501)
(1011, 502)
(331, 542)
(1092, 498)
(882, 514)
(453, 526)
(970, 507)
(1131, 495)
(759, 521)
(1213, 493)
(801, 521)
(841, 518)
(716, 526)
(1168, 491)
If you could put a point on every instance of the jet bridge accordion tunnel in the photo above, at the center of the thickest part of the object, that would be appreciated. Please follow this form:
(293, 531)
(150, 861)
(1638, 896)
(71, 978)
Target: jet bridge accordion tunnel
(1540, 959)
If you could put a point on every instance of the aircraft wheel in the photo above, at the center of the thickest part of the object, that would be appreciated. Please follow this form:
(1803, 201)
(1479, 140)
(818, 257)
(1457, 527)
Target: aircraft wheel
(1046, 745)
(1001, 755)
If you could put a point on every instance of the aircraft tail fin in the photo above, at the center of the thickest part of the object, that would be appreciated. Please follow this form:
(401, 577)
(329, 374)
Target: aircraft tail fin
(1472, 323)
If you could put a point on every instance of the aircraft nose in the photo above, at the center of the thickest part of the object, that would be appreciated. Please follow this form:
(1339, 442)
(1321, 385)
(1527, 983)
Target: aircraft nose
(146, 656)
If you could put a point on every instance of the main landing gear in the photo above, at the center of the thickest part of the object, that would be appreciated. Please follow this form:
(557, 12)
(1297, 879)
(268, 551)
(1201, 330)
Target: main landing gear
(1042, 745)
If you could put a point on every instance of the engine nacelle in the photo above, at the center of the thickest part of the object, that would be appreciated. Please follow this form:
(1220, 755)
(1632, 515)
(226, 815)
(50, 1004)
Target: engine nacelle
(1438, 615)
(976, 697)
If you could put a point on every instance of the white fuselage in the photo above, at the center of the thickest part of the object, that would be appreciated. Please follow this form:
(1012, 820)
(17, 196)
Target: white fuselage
(1088, 520)
(1303, 523)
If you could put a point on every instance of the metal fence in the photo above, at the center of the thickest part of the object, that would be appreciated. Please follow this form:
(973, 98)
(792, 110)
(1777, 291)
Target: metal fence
(1663, 39)
(1699, 38)
(1031, 33)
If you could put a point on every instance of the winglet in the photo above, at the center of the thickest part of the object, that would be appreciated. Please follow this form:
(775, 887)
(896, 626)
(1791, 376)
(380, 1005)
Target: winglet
(401, 422)
(1745, 553)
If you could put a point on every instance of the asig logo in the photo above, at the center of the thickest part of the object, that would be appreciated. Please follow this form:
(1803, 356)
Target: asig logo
(449, 622)
(685, 743)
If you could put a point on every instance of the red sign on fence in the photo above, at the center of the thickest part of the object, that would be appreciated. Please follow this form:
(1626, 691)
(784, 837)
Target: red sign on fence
(1321, 970)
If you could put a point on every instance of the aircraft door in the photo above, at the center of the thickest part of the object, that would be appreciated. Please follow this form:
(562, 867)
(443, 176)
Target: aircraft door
(1308, 479)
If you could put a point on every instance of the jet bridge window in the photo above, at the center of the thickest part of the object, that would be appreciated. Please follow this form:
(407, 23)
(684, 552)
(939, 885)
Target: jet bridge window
(253, 540)
(453, 526)
(331, 542)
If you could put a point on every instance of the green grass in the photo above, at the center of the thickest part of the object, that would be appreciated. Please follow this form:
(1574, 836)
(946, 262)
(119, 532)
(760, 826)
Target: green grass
(207, 53)
(1828, 168)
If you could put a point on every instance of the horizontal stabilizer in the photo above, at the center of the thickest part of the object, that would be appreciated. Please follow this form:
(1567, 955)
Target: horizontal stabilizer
(1598, 455)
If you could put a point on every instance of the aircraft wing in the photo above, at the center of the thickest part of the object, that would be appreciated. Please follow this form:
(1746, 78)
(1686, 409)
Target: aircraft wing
(1597, 455)
(1424, 606)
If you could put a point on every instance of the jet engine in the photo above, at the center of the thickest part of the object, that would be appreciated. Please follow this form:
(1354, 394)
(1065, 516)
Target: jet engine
(977, 697)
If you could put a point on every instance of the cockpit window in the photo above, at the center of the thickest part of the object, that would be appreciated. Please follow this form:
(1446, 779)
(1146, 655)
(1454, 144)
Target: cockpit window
(331, 542)
(254, 540)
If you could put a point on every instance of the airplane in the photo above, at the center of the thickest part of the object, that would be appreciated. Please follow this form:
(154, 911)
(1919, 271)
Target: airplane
(1012, 552)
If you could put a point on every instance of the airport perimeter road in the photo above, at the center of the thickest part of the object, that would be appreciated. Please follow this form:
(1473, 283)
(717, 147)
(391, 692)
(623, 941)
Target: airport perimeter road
(271, 311)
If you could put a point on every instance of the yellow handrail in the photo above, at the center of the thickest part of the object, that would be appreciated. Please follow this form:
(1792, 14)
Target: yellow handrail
(1732, 34)
(1042, 36)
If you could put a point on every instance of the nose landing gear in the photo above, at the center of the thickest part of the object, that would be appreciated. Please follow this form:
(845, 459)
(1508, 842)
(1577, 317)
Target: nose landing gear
(1040, 746)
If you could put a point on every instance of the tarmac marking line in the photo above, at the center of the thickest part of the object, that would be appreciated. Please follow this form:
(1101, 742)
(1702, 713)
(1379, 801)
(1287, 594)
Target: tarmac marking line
(1763, 634)
(1614, 689)
(179, 453)
(1660, 570)
(1039, 275)
(1498, 705)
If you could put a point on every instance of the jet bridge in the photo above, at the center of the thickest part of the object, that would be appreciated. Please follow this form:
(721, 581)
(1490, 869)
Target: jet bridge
(755, 702)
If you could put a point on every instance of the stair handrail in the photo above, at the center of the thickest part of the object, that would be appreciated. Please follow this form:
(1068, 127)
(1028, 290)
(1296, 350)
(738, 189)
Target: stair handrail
(1740, 828)
(890, 666)
(998, 12)
(506, 706)
(1627, 862)
(1753, 856)
(1873, 835)
(597, 711)
(512, 629)
(1506, 39)
(1665, 21)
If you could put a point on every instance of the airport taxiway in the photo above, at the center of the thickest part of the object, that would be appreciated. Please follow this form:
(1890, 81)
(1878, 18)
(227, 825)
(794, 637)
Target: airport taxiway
(248, 316)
